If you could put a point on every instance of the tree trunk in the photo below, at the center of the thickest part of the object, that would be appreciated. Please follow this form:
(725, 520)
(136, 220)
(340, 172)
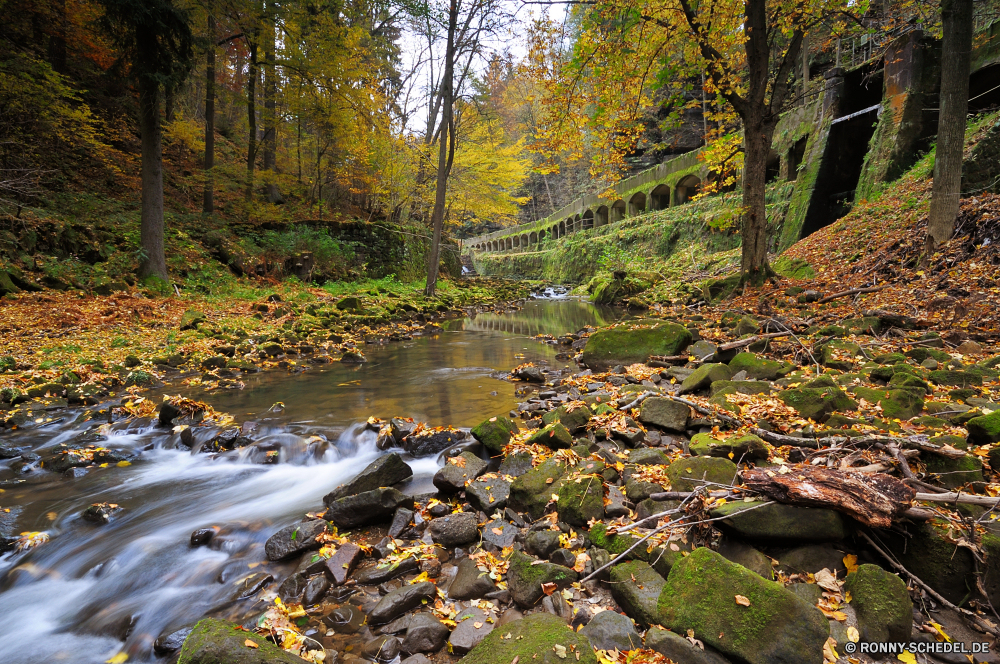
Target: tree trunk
(956, 48)
(153, 263)
(252, 114)
(270, 118)
(445, 151)
(208, 203)
(753, 223)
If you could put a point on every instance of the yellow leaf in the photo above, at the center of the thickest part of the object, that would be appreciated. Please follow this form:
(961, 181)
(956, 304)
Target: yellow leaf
(117, 659)
(851, 563)
(742, 601)
(852, 634)
(907, 656)
(941, 636)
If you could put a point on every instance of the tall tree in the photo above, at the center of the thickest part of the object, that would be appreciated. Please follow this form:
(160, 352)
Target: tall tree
(270, 137)
(956, 54)
(155, 42)
(208, 202)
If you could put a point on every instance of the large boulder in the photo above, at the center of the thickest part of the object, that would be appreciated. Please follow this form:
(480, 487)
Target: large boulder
(610, 630)
(495, 433)
(747, 446)
(386, 470)
(621, 345)
(367, 507)
(758, 368)
(685, 473)
(702, 377)
(984, 429)
(636, 587)
(778, 522)
(881, 603)
(532, 491)
(294, 539)
(533, 639)
(525, 577)
(218, 642)
(739, 613)
(581, 500)
(452, 477)
(664, 414)
(401, 600)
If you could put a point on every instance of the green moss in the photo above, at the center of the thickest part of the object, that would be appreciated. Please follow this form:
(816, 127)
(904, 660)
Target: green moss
(739, 448)
(685, 473)
(573, 420)
(636, 587)
(957, 378)
(531, 492)
(954, 473)
(554, 435)
(881, 603)
(495, 433)
(759, 368)
(817, 403)
(896, 404)
(702, 377)
(214, 641)
(532, 639)
(614, 544)
(984, 429)
(581, 500)
(621, 345)
(793, 268)
(929, 552)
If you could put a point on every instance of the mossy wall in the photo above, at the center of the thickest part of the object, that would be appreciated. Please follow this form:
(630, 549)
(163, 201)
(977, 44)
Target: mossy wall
(395, 249)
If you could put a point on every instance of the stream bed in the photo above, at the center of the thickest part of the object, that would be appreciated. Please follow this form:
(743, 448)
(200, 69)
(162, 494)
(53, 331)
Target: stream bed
(90, 588)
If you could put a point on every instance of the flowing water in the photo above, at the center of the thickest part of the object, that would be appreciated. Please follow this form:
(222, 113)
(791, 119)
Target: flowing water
(78, 596)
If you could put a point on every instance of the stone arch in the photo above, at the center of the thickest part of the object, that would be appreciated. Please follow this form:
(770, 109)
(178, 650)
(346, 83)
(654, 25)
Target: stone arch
(555, 232)
(577, 223)
(659, 197)
(686, 189)
(636, 204)
(601, 216)
(533, 237)
(618, 210)
(542, 235)
(570, 226)
(562, 229)
(588, 219)
(524, 240)
(509, 243)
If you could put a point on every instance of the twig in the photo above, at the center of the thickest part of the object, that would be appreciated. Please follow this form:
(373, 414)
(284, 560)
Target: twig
(853, 291)
(904, 465)
(958, 497)
(919, 442)
(733, 345)
(982, 623)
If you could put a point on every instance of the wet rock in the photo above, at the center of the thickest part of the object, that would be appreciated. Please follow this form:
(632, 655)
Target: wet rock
(294, 539)
(637, 598)
(542, 543)
(621, 346)
(471, 630)
(292, 588)
(347, 619)
(488, 495)
(609, 630)
(532, 639)
(499, 533)
(416, 659)
(101, 513)
(495, 433)
(213, 641)
(168, 413)
(398, 625)
(385, 471)
(525, 579)
(400, 601)
(470, 582)
(777, 626)
(451, 478)
(516, 464)
(171, 641)
(431, 442)
(685, 473)
(778, 522)
(574, 418)
(400, 522)
(678, 649)
(382, 649)
(425, 633)
(881, 603)
(455, 529)
(531, 374)
(367, 507)
(375, 574)
(340, 565)
(202, 536)
(353, 357)
(563, 557)
(250, 585)
(316, 590)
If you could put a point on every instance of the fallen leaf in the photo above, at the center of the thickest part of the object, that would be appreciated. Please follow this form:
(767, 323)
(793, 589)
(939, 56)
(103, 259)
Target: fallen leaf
(742, 601)
(851, 563)
(250, 644)
(827, 580)
(852, 634)
(117, 659)
(477, 625)
(549, 588)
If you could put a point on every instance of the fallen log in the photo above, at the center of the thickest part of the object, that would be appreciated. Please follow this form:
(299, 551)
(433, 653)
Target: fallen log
(873, 499)
(852, 291)
(733, 345)
(918, 442)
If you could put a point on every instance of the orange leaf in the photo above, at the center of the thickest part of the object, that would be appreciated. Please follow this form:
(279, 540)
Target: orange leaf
(549, 588)
(250, 644)
(742, 601)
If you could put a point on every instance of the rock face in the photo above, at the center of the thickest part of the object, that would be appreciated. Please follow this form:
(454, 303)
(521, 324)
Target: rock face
(401, 600)
(778, 522)
(451, 478)
(383, 471)
(525, 579)
(470, 582)
(609, 629)
(294, 539)
(881, 603)
(494, 433)
(664, 414)
(455, 529)
(620, 345)
(776, 628)
(367, 507)
(532, 639)
(215, 641)
(637, 598)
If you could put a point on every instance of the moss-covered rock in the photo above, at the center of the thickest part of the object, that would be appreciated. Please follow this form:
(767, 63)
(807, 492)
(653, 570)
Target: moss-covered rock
(931, 554)
(901, 403)
(759, 368)
(555, 436)
(956, 378)
(526, 575)
(685, 473)
(909, 380)
(574, 418)
(704, 376)
(664, 414)
(621, 345)
(581, 500)
(954, 473)
(838, 354)
(984, 429)
(532, 491)
(636, 587)
(613, 544)
(890, 358)
(743, 447)
(191, 319)
(920, 353)
(495, 433)
(532, 639)
(817, 403)
(740, 387)
(863, 325)
(215, 641)
(779, 522)
(881, 603)
(776, 627)
(957, 442)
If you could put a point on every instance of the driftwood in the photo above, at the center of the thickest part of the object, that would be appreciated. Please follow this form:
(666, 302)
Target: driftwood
(852, 291)
(874, 500)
